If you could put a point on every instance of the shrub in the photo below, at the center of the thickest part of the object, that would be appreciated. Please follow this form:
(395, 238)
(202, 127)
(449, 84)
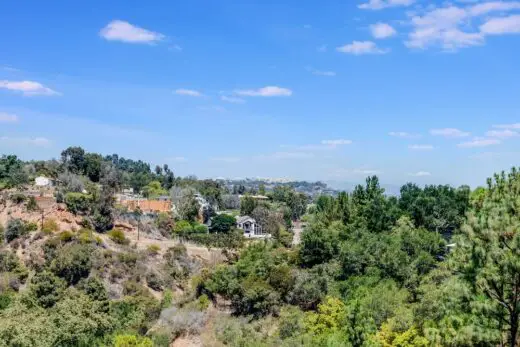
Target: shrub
(167, 298)
(18, 198)
(30, 226)
(66, 236)
(203, 302)
(31, 204)
(118, 236)
(129, 258)
(200, 229)
(46, 288)
(153, 249)
(94, 288)
(183, 227)
(154, 281)
(78, 203)
(2, 233)
(51, 225)
(132, 341)
(72, 262)
(15, 228)
(222, 223)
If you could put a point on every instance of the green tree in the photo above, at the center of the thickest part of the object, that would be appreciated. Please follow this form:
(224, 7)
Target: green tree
(15, 228)
(487, 253)
(222, 223)
(247, 205)
(46, 288)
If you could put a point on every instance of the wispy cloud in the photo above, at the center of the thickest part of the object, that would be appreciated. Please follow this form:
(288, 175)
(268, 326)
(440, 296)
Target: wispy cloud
(421, 147)
(381, 4)
(268, 91)
(502, 133)
(452, 27)
(382, 30)
(28, 88)
(175, 48)
(479, 142)
(354, 172)
(320, 72)
(361, 48)
(449, 132)
(421, 174)
(188, 92)
(8, 117)
(225, 159)
(502, 25)
(23, 141)
(232, 99)
(507, 126)
(404, 135)
(338, 142)
(118, 30)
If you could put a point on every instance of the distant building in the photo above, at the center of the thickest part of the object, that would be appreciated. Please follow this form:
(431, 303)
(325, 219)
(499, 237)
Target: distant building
(251, 228)
(42, 181)
(256, 197)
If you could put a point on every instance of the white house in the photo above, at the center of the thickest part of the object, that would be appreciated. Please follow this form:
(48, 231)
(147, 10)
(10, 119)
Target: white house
(251, 228)
(42, 181)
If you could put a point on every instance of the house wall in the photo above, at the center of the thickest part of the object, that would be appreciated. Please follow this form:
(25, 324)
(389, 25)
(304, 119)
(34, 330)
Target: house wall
(148, 205)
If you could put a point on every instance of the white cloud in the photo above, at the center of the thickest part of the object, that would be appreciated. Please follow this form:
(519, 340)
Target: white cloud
(421, 147)
(232, 99)
(404, 134)
(175, 48)
(507, 126)
(225, 159)
(479, 142)
(361, 47)
(188, 92)
(28, 88)
(320, 72)
(502, 25)
(449, 132)
(421, 174)
(381, 4)
(382, 30)
(453, 27)
(502, 133)
(265, 91)
(8, 117)
(334, 143)
(118, 30)
(22, 141)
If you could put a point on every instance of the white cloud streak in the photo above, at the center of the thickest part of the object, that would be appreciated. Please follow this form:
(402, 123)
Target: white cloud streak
(269, 91)
(479, 142)
(449, 132)
(118, 30)
(382, 30)
(382, 4)
(8, 117)
(502, 133)
(361, 48)
(421, 147)
(404, 135)
(28, 88)
(188, 92)
(421, 174)
(232, 99)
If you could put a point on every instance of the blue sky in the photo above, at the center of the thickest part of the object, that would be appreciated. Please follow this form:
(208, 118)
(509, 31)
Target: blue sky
(423, 91)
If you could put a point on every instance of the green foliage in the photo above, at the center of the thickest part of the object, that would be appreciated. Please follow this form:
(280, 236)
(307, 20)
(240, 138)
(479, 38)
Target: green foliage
(18, 198)
(66, 236)
(31, 204)
(222, 223)
(15, 228)
(50, 224)
(78, 203)
(12, 173)
(247, 205)
(72, 262)
(153, 249)
(153, 190)
(118, 236)
(132, 341)
(46, 288)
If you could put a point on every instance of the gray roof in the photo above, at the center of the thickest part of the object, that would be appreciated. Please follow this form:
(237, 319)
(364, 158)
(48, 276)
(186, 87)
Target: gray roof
(242, 219)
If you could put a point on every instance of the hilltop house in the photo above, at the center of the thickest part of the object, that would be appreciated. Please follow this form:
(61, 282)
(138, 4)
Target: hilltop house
(251, 228)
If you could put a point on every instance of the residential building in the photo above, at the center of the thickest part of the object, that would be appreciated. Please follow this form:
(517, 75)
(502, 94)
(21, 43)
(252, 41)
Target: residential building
(251, 228)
